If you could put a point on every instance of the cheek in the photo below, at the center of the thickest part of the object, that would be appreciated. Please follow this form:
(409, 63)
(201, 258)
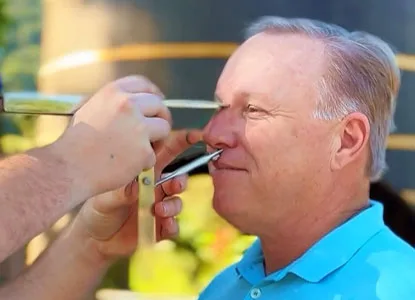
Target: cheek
(263, 146)
(308, 152)
(282, 147)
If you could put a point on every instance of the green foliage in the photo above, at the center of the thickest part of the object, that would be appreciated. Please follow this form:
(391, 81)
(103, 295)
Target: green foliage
(24, 22)
(20, 28)
(206, 245)
(21, 54)
(4, 22)
(19, 68)
(117, 276)
(13, 143)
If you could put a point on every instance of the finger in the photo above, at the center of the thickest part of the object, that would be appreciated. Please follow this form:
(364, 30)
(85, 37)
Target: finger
(157, 128)
(138, 84)
(110, 201)
(151, 105)
(103, 225)
(169, 228)
(172, 187)
(170, 207)
(131, 191)
(175, 145)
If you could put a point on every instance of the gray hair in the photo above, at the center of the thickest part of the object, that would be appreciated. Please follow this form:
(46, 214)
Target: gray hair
(362, 75)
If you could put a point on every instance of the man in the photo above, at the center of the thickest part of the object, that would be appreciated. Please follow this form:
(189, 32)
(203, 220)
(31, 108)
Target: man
(106, 145)
(308, 109)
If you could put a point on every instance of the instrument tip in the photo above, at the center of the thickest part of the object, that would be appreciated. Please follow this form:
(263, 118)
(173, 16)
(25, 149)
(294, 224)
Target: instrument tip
(216, 154)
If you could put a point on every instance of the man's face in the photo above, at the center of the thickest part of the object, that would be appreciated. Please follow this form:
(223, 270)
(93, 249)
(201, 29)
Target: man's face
(274, 150)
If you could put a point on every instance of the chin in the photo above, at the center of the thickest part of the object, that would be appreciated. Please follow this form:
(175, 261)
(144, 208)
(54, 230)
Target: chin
(223, 205)
(228, 179)
(229, 204)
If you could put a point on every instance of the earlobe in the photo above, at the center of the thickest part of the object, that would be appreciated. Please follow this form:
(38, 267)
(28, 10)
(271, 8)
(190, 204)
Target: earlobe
(352, 139)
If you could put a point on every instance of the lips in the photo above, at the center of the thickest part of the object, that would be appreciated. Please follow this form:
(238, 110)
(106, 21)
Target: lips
(220, 164)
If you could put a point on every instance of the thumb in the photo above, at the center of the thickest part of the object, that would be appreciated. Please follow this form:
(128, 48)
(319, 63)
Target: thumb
(102, 221)
(108, 202)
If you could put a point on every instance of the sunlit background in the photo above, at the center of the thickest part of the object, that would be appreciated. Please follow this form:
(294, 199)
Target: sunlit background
(74, 47)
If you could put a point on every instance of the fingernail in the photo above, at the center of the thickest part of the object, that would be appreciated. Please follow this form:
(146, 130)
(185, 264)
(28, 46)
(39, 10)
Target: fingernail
(171, 224)
(183, 182)
(164, 208)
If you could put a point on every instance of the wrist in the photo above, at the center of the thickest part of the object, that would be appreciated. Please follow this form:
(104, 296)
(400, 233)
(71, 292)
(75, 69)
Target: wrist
(93, 256)
(62, 156)
(92, 247)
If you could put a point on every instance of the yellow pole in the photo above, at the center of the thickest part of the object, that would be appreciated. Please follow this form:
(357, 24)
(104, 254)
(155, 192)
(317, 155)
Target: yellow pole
(146, 221)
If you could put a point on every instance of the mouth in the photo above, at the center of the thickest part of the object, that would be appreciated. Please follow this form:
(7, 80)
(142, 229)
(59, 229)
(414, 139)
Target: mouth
(219, 164)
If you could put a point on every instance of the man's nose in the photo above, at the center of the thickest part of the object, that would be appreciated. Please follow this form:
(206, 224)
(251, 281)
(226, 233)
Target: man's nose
(220, 133)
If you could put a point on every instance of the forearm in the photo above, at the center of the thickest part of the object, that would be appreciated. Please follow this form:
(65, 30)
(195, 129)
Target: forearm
(70, 269)
(36, 189)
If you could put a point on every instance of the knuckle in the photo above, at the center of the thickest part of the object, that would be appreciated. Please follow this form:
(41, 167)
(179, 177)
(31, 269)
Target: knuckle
(140, 78)
(165, 128)
(112, 87)
(133, 83)
(158, 209)
(160, 129)
(124, 104)
(166, 114)
(146, 82)
(172, 206)
(139, 81)
(158, 103)
(134, 79)
(167, 208)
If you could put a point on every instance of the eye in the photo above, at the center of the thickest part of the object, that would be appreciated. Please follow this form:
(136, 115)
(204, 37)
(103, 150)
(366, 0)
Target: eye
(252, 109)
(254, 112)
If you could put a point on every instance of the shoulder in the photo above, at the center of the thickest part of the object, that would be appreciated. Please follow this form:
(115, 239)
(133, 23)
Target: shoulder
(384, 268)
(388, 250)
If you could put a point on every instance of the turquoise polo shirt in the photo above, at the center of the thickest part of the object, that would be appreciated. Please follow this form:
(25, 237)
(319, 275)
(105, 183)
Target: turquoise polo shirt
(360, 260)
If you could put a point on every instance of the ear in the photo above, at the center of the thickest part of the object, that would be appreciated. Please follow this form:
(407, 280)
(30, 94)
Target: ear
(353, 136)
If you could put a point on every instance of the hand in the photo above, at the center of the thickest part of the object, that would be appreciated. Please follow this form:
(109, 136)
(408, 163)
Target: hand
(110, 219)
(109, 140)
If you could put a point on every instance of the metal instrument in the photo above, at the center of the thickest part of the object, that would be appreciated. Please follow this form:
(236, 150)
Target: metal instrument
(60, 104)
(191, 166)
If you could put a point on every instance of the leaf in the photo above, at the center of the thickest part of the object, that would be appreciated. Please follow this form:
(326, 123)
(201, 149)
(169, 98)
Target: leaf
(207, 244)
(11, 144)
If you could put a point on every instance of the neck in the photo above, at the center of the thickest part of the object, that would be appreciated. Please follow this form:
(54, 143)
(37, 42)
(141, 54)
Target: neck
(295, 234)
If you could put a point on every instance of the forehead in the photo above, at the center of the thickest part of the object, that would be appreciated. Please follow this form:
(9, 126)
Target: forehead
(273, 65)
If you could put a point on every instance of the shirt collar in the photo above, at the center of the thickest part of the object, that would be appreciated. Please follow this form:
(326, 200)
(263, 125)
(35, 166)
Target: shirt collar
(328, 254)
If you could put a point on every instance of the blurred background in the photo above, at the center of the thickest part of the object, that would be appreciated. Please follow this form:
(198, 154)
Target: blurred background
(76, 46)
